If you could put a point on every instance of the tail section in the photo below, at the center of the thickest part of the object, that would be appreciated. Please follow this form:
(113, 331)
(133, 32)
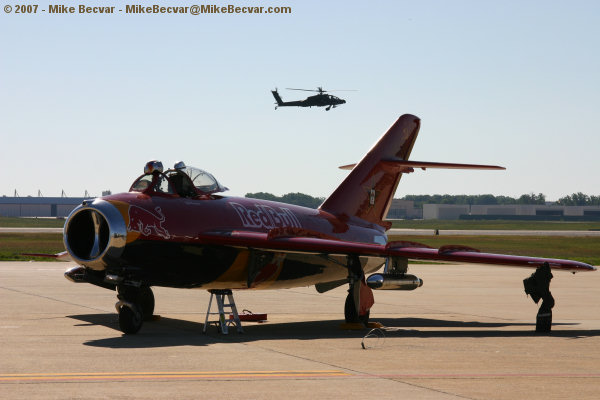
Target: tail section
(277, 97)
(368, 190)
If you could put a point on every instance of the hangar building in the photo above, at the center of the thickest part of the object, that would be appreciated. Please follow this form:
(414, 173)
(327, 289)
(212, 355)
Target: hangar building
(58, 207)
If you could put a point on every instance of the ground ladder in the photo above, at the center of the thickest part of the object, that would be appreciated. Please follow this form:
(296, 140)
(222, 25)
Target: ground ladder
(223, 322)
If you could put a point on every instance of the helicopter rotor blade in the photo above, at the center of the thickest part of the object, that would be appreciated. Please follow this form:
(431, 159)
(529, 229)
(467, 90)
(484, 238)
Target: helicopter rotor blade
(305, 90)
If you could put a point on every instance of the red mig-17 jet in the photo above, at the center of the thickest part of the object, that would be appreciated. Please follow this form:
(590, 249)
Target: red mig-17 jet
(174, 228)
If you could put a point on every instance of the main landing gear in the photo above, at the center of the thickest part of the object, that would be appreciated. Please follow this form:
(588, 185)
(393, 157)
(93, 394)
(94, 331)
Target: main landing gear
(358, 303)
(538, 287)
(135, 305)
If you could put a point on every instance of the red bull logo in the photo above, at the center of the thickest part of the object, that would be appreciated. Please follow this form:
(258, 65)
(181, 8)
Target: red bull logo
(266, 217)
(146, 222)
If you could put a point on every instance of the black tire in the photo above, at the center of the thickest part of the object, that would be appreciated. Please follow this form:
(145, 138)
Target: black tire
(142, 297)
(130, 321)
(350, 312)
(544, 322)
(146, 302)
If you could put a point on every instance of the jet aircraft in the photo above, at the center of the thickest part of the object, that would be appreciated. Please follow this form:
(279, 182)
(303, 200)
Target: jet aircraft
(175, 228)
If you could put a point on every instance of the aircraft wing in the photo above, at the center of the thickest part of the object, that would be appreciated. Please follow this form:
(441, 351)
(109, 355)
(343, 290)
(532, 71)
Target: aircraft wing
(307, 244)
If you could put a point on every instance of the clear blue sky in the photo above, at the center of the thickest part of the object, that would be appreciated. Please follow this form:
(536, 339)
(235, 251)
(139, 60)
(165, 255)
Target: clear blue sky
(86, 100)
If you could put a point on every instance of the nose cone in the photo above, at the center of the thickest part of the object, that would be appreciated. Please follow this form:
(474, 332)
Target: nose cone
(95, 234)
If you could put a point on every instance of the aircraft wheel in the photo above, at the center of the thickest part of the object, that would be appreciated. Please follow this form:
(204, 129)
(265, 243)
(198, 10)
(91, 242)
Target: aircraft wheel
(350, 312)
(142, 296)
(146, 301)
(544, 319)
(130, 320)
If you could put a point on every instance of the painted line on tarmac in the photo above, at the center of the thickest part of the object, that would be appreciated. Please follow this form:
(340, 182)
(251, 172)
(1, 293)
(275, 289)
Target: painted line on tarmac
(487, 376)
(489, 232)
(197, 375)
(245, 375)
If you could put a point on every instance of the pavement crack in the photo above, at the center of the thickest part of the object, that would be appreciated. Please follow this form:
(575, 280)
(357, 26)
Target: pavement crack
(51, 298)
(357, 372)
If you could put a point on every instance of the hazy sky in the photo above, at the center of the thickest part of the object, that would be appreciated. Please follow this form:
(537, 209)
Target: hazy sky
(86, 100)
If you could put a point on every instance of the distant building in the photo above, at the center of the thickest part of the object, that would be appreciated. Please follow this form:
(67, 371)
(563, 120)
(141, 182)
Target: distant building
(61, 207)
(58, 207)
(444, 211)
(404, 209)
(516, 212)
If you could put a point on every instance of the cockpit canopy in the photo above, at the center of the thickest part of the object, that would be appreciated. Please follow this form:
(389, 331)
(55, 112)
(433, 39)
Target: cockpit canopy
(181, 180)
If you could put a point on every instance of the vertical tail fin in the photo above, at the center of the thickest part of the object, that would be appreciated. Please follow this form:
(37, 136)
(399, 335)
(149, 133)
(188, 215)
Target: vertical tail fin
(277, 97)
(368, 190)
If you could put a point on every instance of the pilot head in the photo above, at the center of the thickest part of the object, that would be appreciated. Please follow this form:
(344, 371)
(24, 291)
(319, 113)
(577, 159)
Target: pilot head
(153, 166)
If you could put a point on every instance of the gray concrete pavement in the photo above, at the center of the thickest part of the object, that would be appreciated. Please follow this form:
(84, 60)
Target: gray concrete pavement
(30, 230)
(395, 231)
(487, 232)
(467, 333)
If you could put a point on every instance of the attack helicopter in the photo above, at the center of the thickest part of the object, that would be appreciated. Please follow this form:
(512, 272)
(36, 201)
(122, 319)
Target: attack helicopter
(318, 100)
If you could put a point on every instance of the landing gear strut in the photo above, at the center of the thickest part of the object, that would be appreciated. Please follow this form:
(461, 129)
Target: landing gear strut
(538, 287)
(357, 309)
(135, 305)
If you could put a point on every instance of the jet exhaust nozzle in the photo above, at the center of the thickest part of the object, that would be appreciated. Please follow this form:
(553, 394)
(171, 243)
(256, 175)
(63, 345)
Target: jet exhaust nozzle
(394, 282)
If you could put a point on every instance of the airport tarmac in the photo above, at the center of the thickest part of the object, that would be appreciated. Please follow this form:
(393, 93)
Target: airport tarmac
(468, 333)
(489, 232)
(398, 232)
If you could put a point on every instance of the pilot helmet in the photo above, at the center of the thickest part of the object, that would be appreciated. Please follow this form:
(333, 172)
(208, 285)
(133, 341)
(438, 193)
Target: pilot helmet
(153, 166)
(179, 165)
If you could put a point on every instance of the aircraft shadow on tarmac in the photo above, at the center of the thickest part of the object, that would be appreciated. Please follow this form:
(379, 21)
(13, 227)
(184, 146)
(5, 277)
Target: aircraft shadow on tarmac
(170, 332)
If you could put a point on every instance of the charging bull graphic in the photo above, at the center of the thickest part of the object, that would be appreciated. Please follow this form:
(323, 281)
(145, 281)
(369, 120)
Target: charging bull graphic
(146, 222)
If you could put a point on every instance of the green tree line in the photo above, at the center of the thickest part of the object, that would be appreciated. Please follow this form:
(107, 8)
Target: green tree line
(299, 199)
(477, 199)
(579, 199)
(575, 199)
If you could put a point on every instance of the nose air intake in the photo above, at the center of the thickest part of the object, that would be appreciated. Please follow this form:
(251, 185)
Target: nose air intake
(95, 234)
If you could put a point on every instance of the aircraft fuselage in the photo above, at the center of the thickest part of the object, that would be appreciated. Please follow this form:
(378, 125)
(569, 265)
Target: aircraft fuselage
(161, 240)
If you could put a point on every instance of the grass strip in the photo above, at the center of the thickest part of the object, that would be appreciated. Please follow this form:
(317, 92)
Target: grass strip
(13, 222)
(12, 245)
(496, 225)
(585, 249)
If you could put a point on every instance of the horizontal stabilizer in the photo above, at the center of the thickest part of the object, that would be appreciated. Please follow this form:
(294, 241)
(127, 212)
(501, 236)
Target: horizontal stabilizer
(405, 165)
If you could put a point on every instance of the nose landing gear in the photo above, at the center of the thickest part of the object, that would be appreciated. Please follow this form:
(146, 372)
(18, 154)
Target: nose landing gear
(135, 305)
